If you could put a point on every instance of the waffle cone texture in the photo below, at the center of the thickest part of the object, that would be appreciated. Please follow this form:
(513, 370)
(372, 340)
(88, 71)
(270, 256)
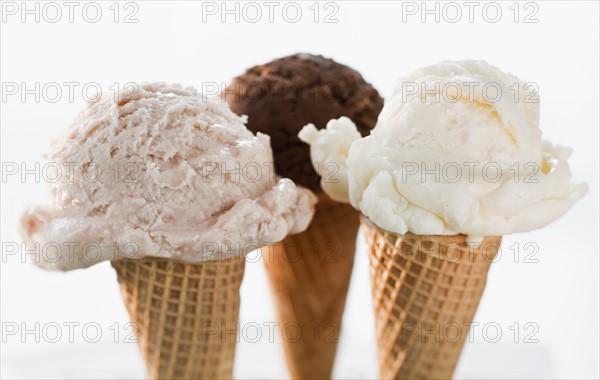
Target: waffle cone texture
(185, 314)
(309, 275)
(426, 289)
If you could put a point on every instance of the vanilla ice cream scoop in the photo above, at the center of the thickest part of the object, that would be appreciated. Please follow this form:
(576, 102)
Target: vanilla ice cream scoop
(162, 172)
(456, 150)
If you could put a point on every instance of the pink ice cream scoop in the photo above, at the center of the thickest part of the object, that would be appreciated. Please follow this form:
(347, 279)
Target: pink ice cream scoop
(162, 171)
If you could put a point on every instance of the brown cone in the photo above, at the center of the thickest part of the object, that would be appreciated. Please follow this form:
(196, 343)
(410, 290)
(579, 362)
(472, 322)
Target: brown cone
(426, 289)
(185, 315)
(309, 275)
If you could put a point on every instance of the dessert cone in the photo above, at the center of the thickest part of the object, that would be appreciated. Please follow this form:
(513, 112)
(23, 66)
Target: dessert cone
(426, 289)
(185, 314)
(309, 275)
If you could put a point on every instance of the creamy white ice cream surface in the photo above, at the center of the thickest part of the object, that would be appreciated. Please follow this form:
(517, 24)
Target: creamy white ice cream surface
(456, 150)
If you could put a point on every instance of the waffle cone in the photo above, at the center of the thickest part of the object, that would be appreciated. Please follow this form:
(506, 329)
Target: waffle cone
(309, 275)
(185, 315)
(426, 289)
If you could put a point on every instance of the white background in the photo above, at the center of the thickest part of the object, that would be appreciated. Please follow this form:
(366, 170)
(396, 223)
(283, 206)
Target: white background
(172, 43)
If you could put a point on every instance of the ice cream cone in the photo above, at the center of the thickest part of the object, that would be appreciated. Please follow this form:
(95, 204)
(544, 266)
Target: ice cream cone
(309, 275)
(426, 289)
(185, 315)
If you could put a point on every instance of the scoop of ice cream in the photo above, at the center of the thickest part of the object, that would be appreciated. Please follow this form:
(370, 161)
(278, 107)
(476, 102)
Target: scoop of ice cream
(447, 156)
(282, 96)
(163, 172)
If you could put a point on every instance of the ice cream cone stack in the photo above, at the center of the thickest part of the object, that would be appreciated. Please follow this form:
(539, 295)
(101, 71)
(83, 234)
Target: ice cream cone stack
(309, 275)
(185, 315)
(426, 289)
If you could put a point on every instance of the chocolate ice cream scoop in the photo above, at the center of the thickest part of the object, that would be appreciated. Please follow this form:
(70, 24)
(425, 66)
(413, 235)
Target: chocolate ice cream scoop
(282, 96)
